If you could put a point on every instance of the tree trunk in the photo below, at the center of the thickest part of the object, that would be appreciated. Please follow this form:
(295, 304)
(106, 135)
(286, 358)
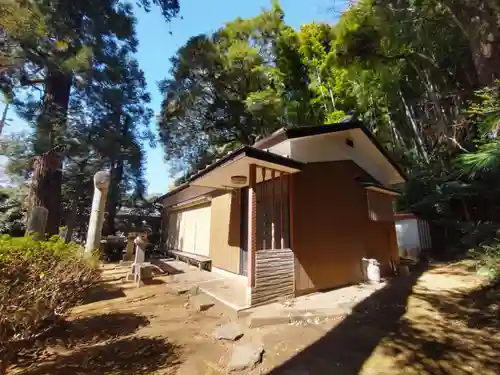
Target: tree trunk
(418, 138)
(114, 196)
(45, 188)
(478, 20)
(71, 221)
(51, 126)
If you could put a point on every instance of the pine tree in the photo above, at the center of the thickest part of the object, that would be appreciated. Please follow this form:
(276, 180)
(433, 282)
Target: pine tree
(67, 43)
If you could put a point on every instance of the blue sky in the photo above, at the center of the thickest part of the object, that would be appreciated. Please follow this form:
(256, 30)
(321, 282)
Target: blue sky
(156, 46)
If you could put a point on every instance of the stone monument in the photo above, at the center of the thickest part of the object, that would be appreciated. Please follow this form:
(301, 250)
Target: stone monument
(101, 186)
(137, 271)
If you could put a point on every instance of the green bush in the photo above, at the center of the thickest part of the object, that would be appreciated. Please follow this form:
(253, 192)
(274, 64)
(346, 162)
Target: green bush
(488, 260)
(12, 211)
(39, 282)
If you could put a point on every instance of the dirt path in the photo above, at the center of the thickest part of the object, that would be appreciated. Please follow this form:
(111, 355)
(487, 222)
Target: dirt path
(438, 322)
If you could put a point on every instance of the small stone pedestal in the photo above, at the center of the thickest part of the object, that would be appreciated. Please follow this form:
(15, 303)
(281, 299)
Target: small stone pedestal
(139, 270)
(129, 254)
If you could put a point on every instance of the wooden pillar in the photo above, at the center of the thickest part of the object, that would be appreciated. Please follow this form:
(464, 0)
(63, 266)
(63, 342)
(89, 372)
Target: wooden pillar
(291, 233)
(262, 214)
(282, 204)
(273, 212)
(252, 223)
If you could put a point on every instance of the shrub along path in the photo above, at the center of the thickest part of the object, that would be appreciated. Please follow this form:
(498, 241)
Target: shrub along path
(441, 321)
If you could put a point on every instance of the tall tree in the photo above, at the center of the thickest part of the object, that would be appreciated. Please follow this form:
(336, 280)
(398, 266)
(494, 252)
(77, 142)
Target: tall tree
(69, 40)
(232, 87)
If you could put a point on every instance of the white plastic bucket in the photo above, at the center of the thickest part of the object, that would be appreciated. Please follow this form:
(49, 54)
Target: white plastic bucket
(372, 270)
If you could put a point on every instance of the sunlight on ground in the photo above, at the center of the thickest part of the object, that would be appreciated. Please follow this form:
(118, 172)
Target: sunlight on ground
(438, 333)
(439, 322)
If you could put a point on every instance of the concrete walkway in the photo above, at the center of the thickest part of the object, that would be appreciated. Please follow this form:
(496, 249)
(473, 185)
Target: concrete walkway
(229, 289)
(312, 308)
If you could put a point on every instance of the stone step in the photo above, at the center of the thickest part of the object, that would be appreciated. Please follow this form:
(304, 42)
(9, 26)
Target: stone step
(294, 316)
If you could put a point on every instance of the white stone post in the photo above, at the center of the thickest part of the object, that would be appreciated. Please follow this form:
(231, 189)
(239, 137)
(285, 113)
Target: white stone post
(129, 255)
(137, 272)
(140, 242)
(101, 185)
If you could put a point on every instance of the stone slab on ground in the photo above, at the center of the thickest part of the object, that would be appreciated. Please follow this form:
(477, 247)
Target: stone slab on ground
(245, 356)
(230, 331)
(290, 316)
(201, 302)
(178, 288)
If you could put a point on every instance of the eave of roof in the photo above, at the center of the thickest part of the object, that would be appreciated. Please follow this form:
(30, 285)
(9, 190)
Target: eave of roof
(243, 151)
(370, 185)
(405, 215)
(290, 133)
(172, 192)
(307, 131)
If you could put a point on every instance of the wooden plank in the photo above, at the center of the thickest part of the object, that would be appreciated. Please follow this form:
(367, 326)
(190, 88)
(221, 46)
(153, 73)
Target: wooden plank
(291, 218)
(278, 263)
(264, 275)
(262, 201)
(266, 295)
(273, 269)
(276, 259)
(269, 274)
(274, 263)
(282, 204)
(268, 252)
(275, 286)
(261, 265)
(253, 224)
(273, 204)
(262, 292)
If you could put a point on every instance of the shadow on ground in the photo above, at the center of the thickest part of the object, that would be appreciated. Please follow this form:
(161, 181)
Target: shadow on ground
(68, 335)
(153, 282)
(103, 292)
(129, 356)
(378, 338)
(94, 329)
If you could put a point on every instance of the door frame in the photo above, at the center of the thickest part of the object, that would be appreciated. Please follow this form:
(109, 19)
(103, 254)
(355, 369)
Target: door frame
(243, 232)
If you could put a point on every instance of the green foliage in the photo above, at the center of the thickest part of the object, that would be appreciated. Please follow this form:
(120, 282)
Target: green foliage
(485, 159)
(39, 282)
(233, 87)
(488, 260)
(12, 211)
(486, 113)
(80, 54)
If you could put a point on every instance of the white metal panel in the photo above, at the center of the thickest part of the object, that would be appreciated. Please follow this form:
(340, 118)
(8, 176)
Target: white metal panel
(413, 236)
(173, 230)
(189, 230)
(407, 234)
